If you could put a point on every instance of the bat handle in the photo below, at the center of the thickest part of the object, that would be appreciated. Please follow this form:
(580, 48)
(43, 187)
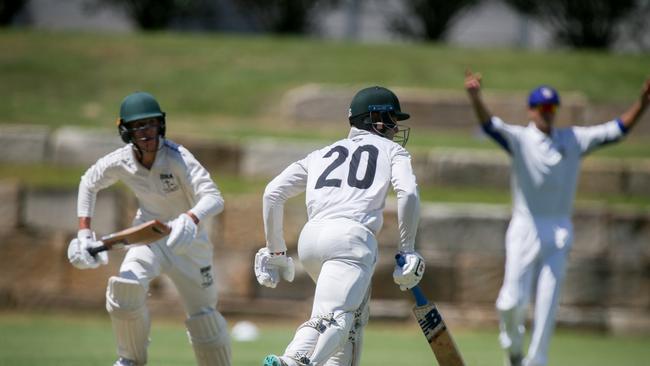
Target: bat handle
(94, 250)
(420, 299)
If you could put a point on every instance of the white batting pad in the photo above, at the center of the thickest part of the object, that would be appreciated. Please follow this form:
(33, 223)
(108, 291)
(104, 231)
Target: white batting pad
(208, 334)
(125, 302)
(350, 353)
(334, 336)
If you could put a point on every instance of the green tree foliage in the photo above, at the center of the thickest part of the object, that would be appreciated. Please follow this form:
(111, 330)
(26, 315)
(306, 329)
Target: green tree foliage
(580, 23)
(282, 16)
(9, 8)
(432, 17)
(159, 14)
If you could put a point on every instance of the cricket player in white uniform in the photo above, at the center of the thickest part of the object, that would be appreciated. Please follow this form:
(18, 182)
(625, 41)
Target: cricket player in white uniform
(171, 186)
(544, 175)
(346, 184)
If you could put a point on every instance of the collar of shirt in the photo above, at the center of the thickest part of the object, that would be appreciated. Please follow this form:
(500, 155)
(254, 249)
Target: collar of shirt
(539, 135)
(157, 159)
(354, 132)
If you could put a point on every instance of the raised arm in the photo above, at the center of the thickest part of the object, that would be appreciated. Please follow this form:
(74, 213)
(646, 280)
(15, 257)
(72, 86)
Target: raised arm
(632, 115)
(502, 133)
(473, 87)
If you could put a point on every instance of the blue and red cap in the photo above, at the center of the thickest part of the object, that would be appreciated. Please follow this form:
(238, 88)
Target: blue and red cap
(543, 95)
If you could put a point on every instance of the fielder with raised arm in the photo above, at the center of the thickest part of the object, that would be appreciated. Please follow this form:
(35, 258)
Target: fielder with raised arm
(171, 185)
(346, 184)
(545, 167)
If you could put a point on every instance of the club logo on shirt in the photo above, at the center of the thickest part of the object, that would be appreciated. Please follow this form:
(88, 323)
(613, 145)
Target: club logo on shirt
(168, 183)
(128, 163)
(206, 276)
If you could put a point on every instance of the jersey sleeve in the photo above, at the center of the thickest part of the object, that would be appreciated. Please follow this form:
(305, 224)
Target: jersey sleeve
(408, 199)
(208, 198)
(291, 182)
(590, 138)
(502, 133)
(99, 176)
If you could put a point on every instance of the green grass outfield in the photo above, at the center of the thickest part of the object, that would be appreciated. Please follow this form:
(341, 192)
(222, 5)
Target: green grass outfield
(79, 78)
(229, 86)
(67, 340)
(62, 78)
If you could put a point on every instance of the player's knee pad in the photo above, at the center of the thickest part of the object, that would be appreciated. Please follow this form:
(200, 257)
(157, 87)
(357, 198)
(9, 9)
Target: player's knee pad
(208, 334)
(334, 331)
(340, 320)
(125, 298)
(125, 302)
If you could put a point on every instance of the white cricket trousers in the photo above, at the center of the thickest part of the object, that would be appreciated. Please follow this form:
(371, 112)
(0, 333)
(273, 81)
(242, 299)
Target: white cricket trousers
(536, 253)
(193, 276)
(340, 256)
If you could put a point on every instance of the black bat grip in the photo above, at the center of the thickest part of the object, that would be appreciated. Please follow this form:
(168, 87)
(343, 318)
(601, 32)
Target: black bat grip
(94, 250)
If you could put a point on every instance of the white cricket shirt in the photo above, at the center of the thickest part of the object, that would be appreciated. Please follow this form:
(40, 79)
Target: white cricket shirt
(175, 183)
(347, 179)
(545, 168)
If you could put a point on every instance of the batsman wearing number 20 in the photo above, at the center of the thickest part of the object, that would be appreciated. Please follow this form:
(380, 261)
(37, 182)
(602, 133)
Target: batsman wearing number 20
(346, 184)
(173, 187)
(545, 166)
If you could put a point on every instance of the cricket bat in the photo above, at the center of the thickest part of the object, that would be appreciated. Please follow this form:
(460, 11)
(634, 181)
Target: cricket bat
(434, 328)
(145, 233)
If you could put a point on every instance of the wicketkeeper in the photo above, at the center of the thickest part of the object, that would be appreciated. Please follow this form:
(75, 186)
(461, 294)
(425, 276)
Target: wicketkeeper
(173, 187)
(346, 184)
(545, 167)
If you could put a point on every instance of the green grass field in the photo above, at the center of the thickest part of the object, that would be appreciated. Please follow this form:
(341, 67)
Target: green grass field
(67, 340)
(228, 87)
(59, 78)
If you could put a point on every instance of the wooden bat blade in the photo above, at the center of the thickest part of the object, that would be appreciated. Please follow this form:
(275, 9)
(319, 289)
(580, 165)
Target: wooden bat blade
(145, 233)
(433, 327)
(438, 336)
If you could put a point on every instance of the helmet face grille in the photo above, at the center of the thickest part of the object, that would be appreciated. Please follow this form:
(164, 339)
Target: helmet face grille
(126, 132)
(384, 124)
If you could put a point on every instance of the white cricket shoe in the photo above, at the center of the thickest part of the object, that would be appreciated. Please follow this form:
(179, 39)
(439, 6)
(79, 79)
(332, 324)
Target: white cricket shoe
(124, 362)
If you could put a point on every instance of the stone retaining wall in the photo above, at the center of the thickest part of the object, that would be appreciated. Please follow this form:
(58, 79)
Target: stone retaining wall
(265, 158)
(433, 110)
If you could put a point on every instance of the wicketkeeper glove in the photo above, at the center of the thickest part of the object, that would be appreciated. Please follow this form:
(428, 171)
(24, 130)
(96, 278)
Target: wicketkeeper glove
(78, 251)
(410, 274)
(269, 267)
(182, 234)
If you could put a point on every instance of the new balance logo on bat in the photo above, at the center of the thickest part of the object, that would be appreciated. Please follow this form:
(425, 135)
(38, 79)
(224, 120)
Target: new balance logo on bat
(431, 324)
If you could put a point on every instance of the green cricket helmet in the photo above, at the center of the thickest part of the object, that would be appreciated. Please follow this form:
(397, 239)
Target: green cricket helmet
(375, 97)
(375, 101)
(135, 107)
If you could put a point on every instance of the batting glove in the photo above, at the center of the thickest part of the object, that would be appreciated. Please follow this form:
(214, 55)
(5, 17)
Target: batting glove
(410, 274)
(78, 251)
(182, 234)
(270, 267)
